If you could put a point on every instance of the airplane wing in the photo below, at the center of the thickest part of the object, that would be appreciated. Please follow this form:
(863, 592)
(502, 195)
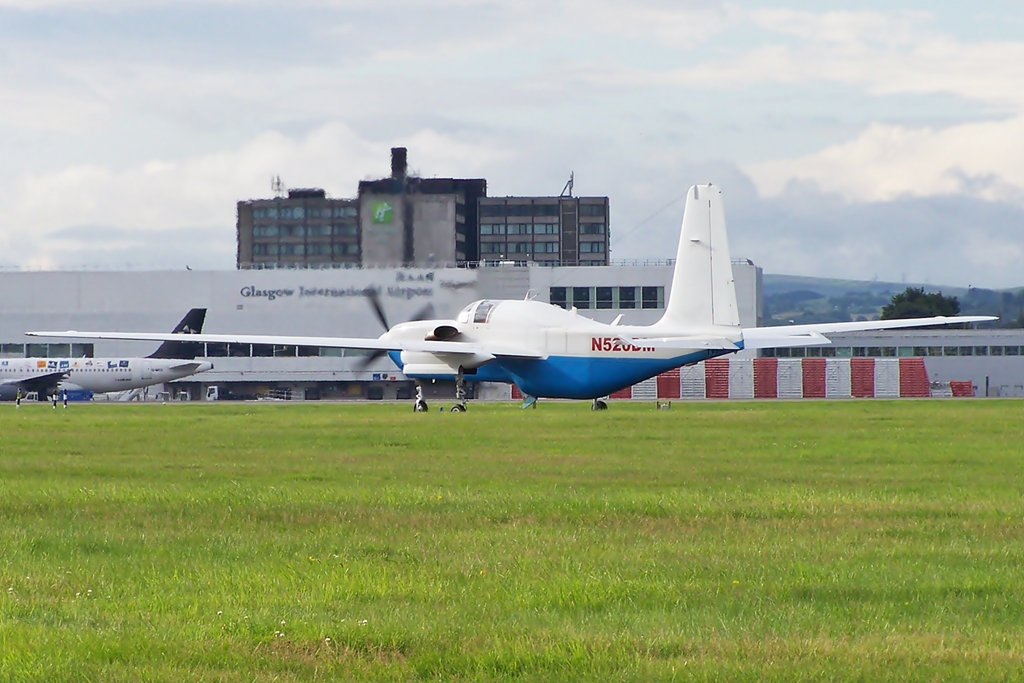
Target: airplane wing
(37, 382)
(814, 334)
(379, 344)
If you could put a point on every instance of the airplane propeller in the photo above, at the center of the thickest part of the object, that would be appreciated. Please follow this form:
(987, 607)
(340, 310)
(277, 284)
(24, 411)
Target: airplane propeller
(370, 293)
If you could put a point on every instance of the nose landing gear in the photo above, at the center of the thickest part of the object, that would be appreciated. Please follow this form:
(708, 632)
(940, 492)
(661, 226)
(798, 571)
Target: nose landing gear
(460, 393)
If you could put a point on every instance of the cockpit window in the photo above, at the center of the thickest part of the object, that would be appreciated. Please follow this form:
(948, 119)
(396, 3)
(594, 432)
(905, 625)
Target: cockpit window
(465, 314)
(483, 310)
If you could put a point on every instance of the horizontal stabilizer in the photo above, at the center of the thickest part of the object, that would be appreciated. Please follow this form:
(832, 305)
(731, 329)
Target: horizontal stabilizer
(684, 343)
(812, 335)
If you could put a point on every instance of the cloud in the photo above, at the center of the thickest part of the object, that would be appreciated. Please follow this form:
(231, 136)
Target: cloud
(887, 161)
(943, 240)
(39, 215)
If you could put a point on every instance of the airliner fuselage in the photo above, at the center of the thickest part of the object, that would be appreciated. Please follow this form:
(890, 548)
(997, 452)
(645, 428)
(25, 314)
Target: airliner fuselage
(98, 375)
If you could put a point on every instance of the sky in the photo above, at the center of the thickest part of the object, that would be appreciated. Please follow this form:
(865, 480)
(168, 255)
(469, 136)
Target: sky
(867, 140)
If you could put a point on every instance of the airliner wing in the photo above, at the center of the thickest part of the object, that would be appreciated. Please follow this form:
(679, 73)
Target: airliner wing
(379, 344)
(44, 379)
(813, 335)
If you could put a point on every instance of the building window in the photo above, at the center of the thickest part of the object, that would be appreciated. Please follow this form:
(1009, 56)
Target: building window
(12, 349)
(239, 350)
(591, 228)
(58, 350)
(82, 351)
(264, 231)
(652, 297)
(492, 209)
(344, 229)
(581, 297)
(546, 247)
(556, 295)
(350, 249)
(627, 297)
(591, 247)
(318, 249)
(519, 247)
(292, 212)
(980, 350)
(292, 231)
(492, 248)
(545, 209)
(828, 351)
(1011, 350)
(217, 350)
(263, 350)
(293, 249)
(518, 210)
(260, 249)
(545, 229)
(489, 229)
(604, 297)
(591, 209)
(520, 229)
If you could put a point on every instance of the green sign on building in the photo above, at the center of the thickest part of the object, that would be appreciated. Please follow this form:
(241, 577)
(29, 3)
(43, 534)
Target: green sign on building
(383, 212)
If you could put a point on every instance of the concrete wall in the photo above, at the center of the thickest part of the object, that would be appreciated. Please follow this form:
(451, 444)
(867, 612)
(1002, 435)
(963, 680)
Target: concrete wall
(433, 227)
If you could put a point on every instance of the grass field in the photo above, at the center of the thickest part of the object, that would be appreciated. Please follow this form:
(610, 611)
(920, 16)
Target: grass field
(760, 541)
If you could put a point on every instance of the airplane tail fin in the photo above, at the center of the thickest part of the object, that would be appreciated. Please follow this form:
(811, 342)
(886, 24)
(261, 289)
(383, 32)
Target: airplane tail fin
(703, 293)
(192, 323)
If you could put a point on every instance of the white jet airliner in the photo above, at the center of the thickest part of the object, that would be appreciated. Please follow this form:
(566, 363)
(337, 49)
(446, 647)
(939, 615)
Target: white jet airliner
(554, 353)
(174, 359)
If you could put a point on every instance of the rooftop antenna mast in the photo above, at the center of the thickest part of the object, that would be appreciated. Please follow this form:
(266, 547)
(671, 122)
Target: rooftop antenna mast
(277, 187)
(567, 190)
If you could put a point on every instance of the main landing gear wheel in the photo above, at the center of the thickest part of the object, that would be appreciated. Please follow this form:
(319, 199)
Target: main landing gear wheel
(599, 405)
(421, 403)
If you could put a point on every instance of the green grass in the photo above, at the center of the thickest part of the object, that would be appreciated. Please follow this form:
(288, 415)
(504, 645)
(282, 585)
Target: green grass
(779, 541)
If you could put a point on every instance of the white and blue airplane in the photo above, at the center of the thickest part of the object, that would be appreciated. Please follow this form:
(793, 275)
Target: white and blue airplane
(549, 352)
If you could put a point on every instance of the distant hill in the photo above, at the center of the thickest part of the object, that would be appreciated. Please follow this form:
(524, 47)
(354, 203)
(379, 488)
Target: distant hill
(797, 299)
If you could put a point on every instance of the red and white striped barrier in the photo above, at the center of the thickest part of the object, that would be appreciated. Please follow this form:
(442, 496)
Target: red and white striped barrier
(792, 378)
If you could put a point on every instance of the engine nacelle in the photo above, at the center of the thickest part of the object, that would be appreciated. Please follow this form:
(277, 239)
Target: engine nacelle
(419, 364)
(443, 333)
